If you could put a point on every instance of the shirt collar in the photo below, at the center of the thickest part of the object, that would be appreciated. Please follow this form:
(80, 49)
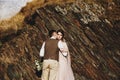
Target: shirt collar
(52, 37)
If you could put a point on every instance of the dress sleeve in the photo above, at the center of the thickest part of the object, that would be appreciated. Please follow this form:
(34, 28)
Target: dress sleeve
(60, 45)
(63, 48)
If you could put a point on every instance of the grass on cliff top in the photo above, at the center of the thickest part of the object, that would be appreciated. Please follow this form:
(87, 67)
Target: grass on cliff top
(13, 23)
(16, 22)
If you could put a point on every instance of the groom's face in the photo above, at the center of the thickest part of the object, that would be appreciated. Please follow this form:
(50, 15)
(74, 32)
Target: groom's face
(55, 34)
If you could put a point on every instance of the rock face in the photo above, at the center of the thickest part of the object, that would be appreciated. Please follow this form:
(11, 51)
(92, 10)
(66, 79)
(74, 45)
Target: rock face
(93, 40)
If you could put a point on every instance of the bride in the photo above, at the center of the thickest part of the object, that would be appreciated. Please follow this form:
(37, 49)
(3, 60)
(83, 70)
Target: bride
(65, 71)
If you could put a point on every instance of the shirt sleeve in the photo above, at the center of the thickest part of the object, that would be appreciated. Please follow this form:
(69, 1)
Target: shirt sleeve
(42, 50)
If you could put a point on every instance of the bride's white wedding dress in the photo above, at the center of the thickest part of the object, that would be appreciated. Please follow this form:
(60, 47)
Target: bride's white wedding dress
(65, 71)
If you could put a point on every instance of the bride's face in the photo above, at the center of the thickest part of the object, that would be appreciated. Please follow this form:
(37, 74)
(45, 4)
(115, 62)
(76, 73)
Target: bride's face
(59, 36)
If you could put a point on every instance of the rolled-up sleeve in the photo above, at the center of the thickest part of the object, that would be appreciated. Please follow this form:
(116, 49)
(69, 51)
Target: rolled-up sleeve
(42, 50)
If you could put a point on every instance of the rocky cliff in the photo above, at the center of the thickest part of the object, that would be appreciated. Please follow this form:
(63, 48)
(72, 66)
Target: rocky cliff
(92, 32)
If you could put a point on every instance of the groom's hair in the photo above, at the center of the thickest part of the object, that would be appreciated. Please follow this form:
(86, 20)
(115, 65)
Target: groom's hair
(51, 32)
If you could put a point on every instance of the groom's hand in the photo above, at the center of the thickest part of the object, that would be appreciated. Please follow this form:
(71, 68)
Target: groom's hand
(41, 59)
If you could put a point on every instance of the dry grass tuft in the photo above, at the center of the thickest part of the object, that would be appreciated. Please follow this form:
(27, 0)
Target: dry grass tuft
(13, 23)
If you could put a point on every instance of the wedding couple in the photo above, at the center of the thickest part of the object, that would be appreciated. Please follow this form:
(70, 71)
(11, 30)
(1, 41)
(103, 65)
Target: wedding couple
(56, 63)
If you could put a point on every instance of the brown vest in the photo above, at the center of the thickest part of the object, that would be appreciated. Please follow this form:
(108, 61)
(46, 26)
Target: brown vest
(51, 49)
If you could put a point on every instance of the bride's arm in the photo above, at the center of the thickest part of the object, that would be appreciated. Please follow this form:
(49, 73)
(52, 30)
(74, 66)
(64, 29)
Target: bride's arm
(63, 48)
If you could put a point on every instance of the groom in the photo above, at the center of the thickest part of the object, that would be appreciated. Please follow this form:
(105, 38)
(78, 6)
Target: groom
(50, 52)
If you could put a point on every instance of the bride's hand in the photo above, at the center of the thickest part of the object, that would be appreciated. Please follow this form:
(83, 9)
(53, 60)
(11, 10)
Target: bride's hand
(65, 53)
